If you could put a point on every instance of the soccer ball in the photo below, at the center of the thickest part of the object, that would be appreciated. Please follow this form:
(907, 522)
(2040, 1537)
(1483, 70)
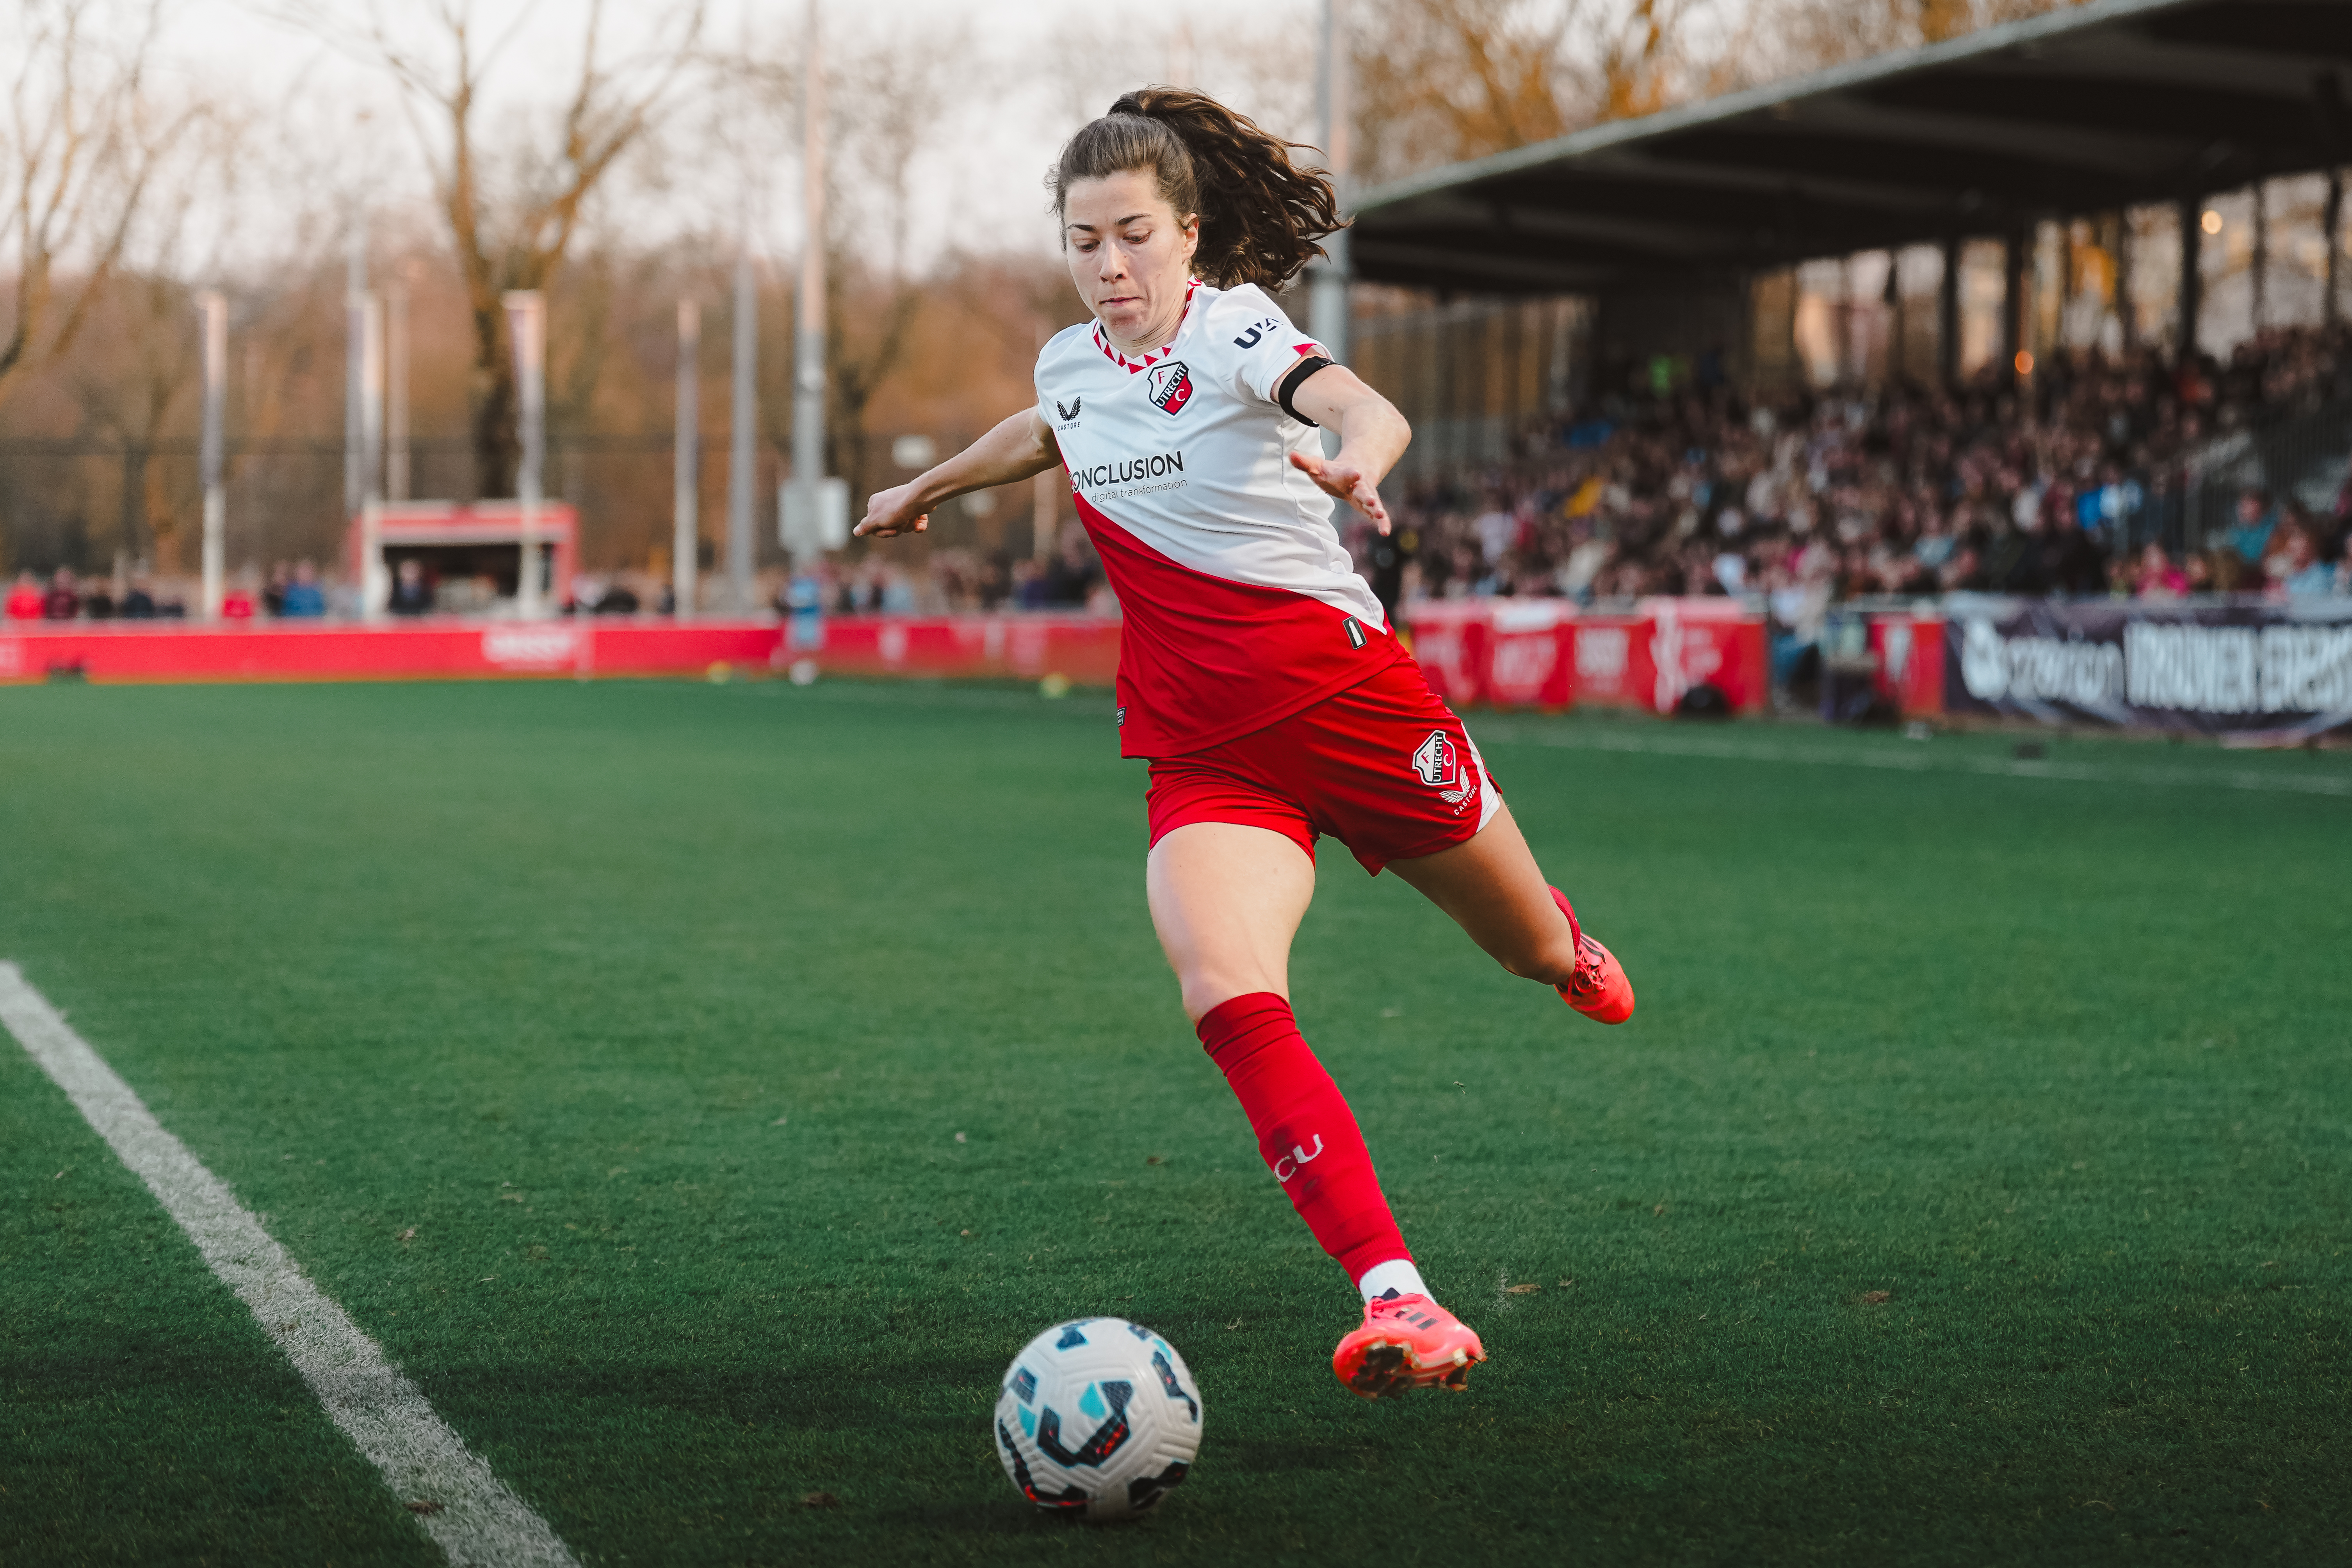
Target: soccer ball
(1099, 1418)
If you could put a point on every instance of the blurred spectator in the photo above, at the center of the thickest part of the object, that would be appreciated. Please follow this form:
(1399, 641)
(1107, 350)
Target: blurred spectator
(273, 592)
(411, 594)
(1071, 577)
(2249, 534)
(2157, 577)
(300, 597)
(2297, 570)
(25, 600)
(139, 601)
(63, 601)
(1667, 487)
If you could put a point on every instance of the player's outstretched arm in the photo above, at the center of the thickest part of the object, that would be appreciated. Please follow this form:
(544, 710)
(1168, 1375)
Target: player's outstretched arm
(1372, 437)
(1018, 448)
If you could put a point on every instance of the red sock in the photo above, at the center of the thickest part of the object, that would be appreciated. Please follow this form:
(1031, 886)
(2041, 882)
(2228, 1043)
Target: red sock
(1306, 1132)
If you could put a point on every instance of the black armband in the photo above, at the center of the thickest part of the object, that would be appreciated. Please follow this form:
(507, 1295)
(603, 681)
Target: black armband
(1288, 387)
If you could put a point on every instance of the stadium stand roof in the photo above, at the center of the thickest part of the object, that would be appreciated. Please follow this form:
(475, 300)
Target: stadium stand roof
(2103, 105)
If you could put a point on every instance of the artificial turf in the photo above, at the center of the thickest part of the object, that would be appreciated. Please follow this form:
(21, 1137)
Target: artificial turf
(703, 1091)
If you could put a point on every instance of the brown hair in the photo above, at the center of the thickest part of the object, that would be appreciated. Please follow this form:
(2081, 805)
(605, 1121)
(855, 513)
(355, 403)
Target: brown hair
(1260, 213)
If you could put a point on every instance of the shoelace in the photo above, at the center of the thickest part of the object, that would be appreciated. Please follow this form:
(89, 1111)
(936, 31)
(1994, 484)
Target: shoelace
(1587, 966)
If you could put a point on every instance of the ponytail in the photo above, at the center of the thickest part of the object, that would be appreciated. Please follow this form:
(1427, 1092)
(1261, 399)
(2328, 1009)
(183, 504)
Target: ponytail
(1260, 214)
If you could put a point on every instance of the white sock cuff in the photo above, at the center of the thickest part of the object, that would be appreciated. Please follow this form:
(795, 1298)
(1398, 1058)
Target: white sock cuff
(1398, 1275)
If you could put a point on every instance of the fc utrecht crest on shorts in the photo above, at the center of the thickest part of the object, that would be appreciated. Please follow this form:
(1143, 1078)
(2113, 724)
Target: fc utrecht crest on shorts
(1240, 604)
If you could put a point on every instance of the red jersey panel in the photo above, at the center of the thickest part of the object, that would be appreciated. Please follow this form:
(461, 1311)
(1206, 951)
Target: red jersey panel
(1203, 660)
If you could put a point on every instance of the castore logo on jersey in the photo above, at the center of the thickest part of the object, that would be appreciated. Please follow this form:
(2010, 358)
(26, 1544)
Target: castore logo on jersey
(1070, 415)
(1172, 386)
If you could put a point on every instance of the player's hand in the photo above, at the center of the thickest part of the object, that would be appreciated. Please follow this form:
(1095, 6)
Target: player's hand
(1346, 481)
(889, 513)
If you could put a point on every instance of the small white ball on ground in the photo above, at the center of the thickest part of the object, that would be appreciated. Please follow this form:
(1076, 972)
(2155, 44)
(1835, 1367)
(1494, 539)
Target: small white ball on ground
(1099, 1418)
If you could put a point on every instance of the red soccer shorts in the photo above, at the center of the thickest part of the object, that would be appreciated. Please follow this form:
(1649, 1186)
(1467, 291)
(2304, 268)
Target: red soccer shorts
(1384, 767)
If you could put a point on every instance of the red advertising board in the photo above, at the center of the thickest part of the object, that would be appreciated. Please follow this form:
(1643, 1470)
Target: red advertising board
(1083, 648)
(1449, 639)
(1709, 641)
(1530, 661)
(1539, 653)
(1610, 663)
(1909, 651)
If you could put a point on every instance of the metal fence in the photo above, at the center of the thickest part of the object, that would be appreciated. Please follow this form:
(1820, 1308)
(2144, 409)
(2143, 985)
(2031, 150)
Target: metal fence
(2187, 503)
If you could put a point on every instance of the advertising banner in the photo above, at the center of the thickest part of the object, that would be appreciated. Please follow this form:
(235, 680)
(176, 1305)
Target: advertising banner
(2252, 669)
(1449, 639)
(1528, 661)
(1610, 665)
(1083, 648)
(1708, 641)
(1908, 650)
(1541, 653)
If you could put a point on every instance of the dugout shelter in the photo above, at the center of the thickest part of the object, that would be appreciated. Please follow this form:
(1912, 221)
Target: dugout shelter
(472, 555)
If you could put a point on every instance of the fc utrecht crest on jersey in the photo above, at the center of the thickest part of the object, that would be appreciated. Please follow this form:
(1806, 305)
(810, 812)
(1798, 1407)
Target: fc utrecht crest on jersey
(1172, 386)
(1439, 766)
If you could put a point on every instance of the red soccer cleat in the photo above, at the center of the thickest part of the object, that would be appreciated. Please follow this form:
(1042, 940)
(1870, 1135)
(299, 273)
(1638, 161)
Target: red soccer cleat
(1407, 1343)
(1599, 990)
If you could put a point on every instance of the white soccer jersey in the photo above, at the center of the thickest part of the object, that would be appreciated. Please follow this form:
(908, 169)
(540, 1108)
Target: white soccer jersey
(1241, 604)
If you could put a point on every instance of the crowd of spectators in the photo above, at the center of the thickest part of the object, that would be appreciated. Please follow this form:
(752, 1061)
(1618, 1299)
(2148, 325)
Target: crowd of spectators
(67, 598)
(2043, 488)
(291, 592)
(1848, 494)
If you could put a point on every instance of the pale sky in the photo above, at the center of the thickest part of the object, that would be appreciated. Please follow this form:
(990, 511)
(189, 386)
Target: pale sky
(1032, 71)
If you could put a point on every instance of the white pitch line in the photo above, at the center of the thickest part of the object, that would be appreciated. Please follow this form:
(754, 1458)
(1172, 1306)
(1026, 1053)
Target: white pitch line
(479, 1523)
(1925, 761)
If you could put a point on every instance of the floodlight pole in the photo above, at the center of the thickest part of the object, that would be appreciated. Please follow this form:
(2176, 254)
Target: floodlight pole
(395, 396)
(526, 324)
(370, 317)
(808, 336)
(742, 431)
(686, 528)
(213, 311)
(1328, 278)
(355, 285)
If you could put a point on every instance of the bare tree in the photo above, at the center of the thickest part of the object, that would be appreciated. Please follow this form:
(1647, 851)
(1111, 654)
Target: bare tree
(1446, 79)
(82, 141)
(511, 226)
(890, 91)
(140, 363)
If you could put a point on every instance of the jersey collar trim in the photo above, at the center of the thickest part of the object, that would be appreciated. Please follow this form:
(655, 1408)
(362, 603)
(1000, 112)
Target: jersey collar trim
(1156, 355)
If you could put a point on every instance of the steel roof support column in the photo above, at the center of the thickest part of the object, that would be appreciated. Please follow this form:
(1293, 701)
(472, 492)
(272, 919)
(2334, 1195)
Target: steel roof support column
(2126, 309)
(2261, 269)
(2331, 226)
(1947, 314)
(2012, 300)
(2192, 238)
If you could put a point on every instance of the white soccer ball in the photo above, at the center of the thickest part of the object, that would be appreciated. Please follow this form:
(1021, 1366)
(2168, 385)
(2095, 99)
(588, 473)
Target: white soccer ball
(1098, 1418)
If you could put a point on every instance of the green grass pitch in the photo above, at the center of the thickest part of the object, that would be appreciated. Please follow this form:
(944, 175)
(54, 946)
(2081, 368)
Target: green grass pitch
(701, 1091)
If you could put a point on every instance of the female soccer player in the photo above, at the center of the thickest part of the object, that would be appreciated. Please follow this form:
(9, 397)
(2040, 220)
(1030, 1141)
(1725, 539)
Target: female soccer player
(1257, 672)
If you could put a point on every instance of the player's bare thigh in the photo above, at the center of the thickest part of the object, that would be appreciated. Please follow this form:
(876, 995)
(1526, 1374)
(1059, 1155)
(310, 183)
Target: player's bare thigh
(1226, 899)
(1492, 887)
